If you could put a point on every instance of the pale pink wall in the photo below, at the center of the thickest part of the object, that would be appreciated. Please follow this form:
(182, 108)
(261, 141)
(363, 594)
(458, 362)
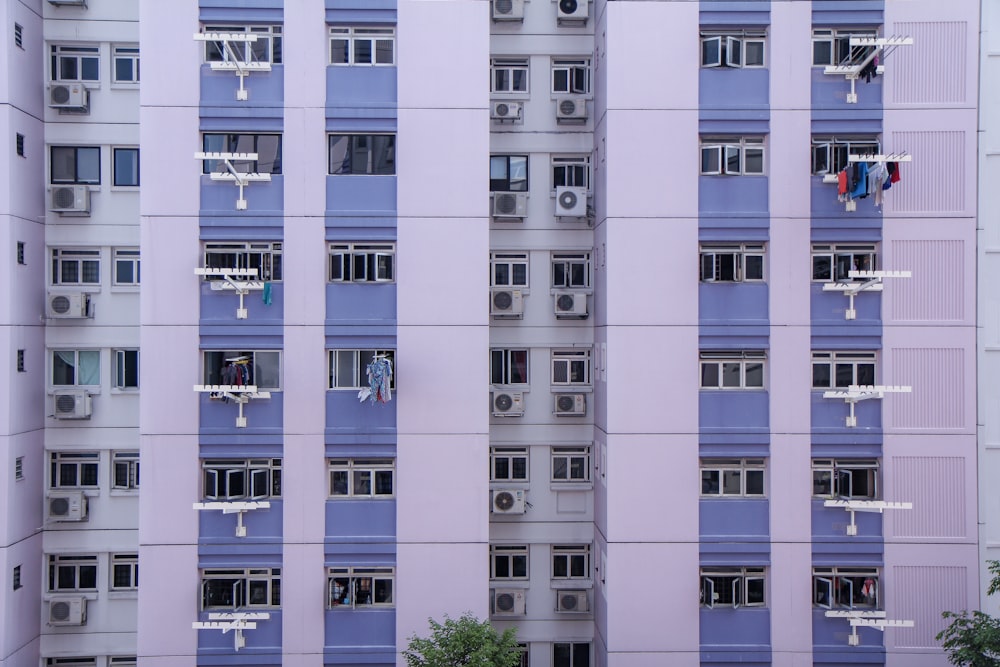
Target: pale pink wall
(166, 612)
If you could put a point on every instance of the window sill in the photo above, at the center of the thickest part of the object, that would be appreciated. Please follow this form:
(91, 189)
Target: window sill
(125, 188)
(92, 390)
(578, 290)
(124, 493)
(131, 594)
(571, 486)
(125, 289)
(115, 391)
(523, 388)
(90, 596)
(571, 584)
(125, 85)
(89, 491)
(88, 288)
(572, 388)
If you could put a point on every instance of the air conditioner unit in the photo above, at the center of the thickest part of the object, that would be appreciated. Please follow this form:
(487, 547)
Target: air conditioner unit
(508, 10)
(570, 305)
(508, 602)
(571, 202)
(510, 204)
(72, 404)
(70, 199)
(573, 601)
(68, 96)
(68, 611)
(508, 404)
(506, 111)
(571, 109)
(508, 501)
(570, 405)
(506, 303)
(66, 506)
(67, 305)
(571, 11)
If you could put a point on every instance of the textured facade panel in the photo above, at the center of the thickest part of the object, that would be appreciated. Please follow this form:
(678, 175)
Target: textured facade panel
(917, 593)
(937, 376)
(935, 180)
(932, 70)
(936, 486)
(935, 292)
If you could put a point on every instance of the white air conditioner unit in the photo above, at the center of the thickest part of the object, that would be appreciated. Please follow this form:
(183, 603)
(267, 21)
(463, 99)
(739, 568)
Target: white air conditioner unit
(70, 199)
(508, 602)
(570, 405)
(505, 111)
(508, 501)
(68, 96)
(506, 303)
(66, 506)
(571, 11)
(71, 404)
(571, 202)
(573, 601)
(508, 404)
(68, 611)
(570, 305)
(571, 109)
(67, 305)
(508, 10)
(510, 204)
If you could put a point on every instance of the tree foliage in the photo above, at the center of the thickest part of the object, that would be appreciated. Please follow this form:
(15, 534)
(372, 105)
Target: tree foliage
(973, 639)
(466, 642)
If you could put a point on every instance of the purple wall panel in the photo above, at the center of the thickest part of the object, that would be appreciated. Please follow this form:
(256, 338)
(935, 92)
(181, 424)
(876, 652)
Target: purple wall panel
(831, 307)
(734, 88)
(940, 389)
(825, 203)
(370, 628)
(829, 91)
(266, 638)
(360, 91)
(829, 415)
(936, 180)
(736, 411)
(732, 195)
(265, 92)
(733, 518)
(832, 522)
(264, 198)
(932, 70)
(346, 414)
(219, 306)
(832, 633)
(918, 593)
(260, 524)
(936, 291)
(361, 304)
(372, 195)
(263, 415)
(937, 487)
(729, 301)
(745, 627)
(366, 520)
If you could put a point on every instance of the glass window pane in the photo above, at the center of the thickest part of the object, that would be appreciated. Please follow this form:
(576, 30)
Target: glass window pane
(754, 161)
(731, 374)
(520, 274)
(822, 267)
(63, 164)
(754, 53)
(362, 482)
(88, 165)
(731, 482)
(123, 70)
(338, 483)
(822, 483)
(754, 269)
(340, 154)
(710, 482)
(88, 576)
(754, 482)
(755, 375)
(91, 69)
(126, 166)
(710, 160)
(338, 51)
(710, 375)
(845, 375)
(520, 468)
(383, 51)
(266, 370)
(362, 52)
(68, 69)
(866, 373)
(125, 273)
(821, 375)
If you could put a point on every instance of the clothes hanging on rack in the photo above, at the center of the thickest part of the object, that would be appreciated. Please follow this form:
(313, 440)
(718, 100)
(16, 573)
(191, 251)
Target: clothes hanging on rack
(869, 71)
(842, 185)
(894, 177)
(877, 176)
(379, 389)
(859, 181)
(266, 294)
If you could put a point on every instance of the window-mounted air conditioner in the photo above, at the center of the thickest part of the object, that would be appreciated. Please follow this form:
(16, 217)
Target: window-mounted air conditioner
(510, 204)
(570, 405)
(571, 202)
(572, 601)
(506, 303)
(67, 305)
(508, 602)
(570, 305)
(70, 199)
(508, 10)
(68, 95)
(505, 111)
(572, 11)
(72, 404)
(66, 506)
(508, 501)
(508, 404)
(68, 611)
(571, 109)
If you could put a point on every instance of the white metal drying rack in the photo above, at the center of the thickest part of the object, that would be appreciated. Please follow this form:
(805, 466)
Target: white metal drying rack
(237, 621)
(857, 393)
(237, 508)
(885, 45)
(232, 175)
(873, 283)
(853, 506)
(229, 282)
(880, 158)
(866, 619)
(233, 62)
(239, 394)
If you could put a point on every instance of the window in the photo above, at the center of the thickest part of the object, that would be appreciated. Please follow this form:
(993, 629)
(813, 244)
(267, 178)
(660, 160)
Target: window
(571, 464)
(846, 587)
(70, 662)
(75, 63)
(348, 368)
(732, 49)
(732, 262)
(363, 154)
(126, 369)
(266, 146)
(362, 46)
(842, 369)
(845, 478)
(126, 64)
(832, 46)
(835, 262)
(829, 154)
(571, 269)
(126, 166)
(76, 267)
(508, 464)
(732, 156)
(732, 586)
(508, 269)
(732, 478)
(260, 368)
(508, 173)
(122, 661)
(571, 75)
(247, 588)
(571, 654)
(571, 171)
(508, 561)
(125, 471)
(571, 367)
(17, 577)
(20, 252)
(72, 573)
(509, 75)
(362, 262)
(20, 361)
(19, 143)
(18, 468)
(571, 562)
(508, 367)
(242, 479)
(19, 35)
(523, 648)
(361, 478)
(72, 470)
(266, 48)
(263, 256)
(76, 368)
(352, 587)
(75, 164)
(124, 572)
(733, 370)
(126, 266)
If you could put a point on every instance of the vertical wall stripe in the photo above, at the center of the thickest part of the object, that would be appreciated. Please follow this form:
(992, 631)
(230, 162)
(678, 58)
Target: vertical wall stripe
(919, 594)
(932, 70)
(936, 486)
(935, 292)
(935, 180)
(937, 376)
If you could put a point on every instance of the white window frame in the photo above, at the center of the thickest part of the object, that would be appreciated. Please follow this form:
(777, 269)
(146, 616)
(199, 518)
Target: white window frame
(362, 262)
(732, 262)
(733, 587)
(742, 361)
(124, 361)
(566, 268)
(345, 585)
(838, 44)
(76, 368)
(76, 564)
(732, 48)
(269, 160)
(571, 559)
(575, 73)
(514, 179)
(84, 170)
(126, 257)
(840, 259)
(61, 54)
(265, 256)
(573, 649)
(511, 555)
(125, 150)
(829, 153)
(125, 53)
(731, 155)
(125, 470)
(378, 157)
(85, 261)
(353, 36)
(122, 661)
(244, 580)
(358, 361)
(835, 478)
(127, 564)
(267, 48)
(512, 459)
(502, 365)
(730, 478)
(76, 465)
(571, 368)
(504, 72)
(71, 662)
(212, 375)
(509, 269)
(571, 171)
(360, 478)
(571, 465)
(835, 361)
(841, 587)
(260, 479)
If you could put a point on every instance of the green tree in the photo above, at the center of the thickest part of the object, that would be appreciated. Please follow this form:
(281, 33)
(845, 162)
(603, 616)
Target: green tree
(973, 639)
(467, 642)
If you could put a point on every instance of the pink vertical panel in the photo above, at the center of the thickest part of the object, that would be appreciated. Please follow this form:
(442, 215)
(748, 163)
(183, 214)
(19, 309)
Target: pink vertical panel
(937, 376)
(936, 487)
(935, 292)
(920, 594)
(935, 180)
(932, 69)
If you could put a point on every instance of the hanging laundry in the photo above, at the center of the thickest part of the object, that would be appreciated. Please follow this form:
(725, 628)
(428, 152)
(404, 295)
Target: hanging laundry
(877, 175)
(266, 294)
(860, 181)
(379, 381)
(869, 71)
(890, 167)
(868, 589)
(895, 172)
(842, 185)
